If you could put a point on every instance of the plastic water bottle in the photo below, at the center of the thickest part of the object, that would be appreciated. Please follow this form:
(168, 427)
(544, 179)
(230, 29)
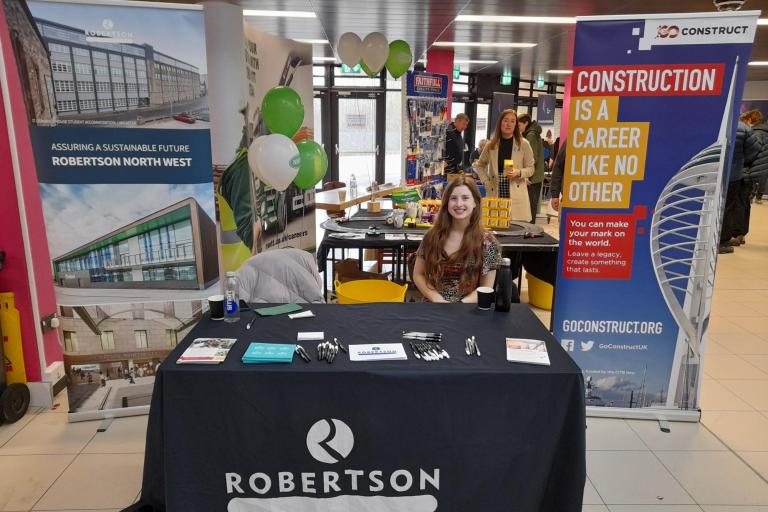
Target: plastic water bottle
(504, 285)
(231, 299)
(352, 186)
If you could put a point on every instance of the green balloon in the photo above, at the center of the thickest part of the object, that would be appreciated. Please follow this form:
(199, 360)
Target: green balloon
(399, 59)
(283, 111)
(368, 71)
(314, 164)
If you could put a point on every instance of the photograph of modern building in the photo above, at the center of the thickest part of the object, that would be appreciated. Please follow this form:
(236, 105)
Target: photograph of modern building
(71, 73)
(111, 352)
(92, 77)
(172, 248)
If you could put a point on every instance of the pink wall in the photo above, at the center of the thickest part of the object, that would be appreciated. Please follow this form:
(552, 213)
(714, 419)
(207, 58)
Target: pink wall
(441, 61)
(14, 276)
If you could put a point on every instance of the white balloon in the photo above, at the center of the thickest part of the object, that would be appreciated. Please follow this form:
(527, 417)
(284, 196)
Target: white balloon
(275, 159)
(350, 48)
(375, 51)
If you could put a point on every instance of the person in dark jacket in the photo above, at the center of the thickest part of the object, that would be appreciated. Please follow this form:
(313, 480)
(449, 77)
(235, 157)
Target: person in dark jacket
(758, 171)
(556, 185)
(455, 147)
(532, 133)
(475, 155)
(735, 214)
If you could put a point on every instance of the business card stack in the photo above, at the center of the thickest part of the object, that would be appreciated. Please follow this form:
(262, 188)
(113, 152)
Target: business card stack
(258, 353)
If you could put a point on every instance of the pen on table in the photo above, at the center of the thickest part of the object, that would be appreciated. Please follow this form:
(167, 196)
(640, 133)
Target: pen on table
(248, 325)
(415, 338)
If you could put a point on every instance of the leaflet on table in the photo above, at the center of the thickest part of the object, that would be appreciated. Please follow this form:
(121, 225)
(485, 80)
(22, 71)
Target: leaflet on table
(377, 352)
(207, 351)
(269, 353)
(521, 350)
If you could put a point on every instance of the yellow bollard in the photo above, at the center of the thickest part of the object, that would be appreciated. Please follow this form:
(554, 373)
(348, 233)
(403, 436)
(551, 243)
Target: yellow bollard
(10, 324)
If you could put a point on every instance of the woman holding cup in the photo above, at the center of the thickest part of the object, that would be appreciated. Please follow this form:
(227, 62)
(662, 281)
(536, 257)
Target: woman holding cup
(509, 151)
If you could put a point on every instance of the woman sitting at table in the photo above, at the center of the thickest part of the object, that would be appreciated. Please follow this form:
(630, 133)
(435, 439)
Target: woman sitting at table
(457, 255)
(508, 145)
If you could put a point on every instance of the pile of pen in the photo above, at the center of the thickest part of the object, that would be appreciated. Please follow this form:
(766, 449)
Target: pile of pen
(303, 353)
(426, 345)
(436, 337)
(328, 351)
(471, 347)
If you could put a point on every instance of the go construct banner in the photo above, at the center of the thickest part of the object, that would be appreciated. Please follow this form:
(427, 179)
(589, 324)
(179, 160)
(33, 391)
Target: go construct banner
(654, 104)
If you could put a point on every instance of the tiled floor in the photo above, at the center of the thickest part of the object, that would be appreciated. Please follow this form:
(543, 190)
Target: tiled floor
(719, 465)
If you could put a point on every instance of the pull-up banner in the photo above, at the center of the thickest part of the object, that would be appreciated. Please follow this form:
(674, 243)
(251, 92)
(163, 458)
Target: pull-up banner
(654, 106)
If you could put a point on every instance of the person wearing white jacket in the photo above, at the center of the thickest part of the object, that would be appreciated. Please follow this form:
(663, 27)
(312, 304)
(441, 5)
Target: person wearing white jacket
(508, 144)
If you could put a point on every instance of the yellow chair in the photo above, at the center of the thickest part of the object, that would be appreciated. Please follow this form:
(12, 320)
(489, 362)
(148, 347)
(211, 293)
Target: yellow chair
(539, 292)
(369, 290)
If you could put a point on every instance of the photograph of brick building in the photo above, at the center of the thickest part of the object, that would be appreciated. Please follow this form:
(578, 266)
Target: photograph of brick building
(111, 352)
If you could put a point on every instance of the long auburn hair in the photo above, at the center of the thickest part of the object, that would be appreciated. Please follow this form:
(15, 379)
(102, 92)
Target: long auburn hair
(470, 253)
(497, 133)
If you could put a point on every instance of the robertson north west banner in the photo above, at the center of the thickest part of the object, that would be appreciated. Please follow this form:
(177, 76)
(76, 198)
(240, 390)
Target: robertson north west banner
(654, 104)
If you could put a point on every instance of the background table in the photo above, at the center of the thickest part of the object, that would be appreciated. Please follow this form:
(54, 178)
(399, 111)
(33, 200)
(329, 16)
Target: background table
(329, 199)
(539, 254)
(504, 436)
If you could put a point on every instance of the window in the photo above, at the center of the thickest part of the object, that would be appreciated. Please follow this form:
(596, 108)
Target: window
(101, 70)
(58, 48)
(61, 66)
(70, 341)
(102, 86)
(481, 123)
(89, 105)
(359, 79)
(83, 52)
(66, 105)
(318, 76)
(84, 86)
(82, 68)
(317, 107)
(64, 86)
(393, 163)
(173, 338)
(141, 339)
(107, 340)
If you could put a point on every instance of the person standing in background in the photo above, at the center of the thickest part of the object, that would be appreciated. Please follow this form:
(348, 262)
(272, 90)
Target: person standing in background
(558, 170)
(532, 133)
(500, 179)
(477, 151)
(735, 215)
(455, 147)
(758, 171)
(549, 149)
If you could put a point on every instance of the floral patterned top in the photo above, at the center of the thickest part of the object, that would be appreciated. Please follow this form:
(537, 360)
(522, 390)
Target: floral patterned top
(449, 283)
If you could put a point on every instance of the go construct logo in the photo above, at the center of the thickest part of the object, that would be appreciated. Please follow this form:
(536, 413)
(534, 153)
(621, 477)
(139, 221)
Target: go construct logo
(330, 441)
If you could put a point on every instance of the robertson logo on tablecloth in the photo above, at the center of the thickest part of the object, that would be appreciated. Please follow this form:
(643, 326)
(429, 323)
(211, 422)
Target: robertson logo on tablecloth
(331, 441)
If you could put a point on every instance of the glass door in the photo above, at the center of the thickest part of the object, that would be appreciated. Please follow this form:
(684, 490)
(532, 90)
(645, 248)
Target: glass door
(482, 128)
(356, 147)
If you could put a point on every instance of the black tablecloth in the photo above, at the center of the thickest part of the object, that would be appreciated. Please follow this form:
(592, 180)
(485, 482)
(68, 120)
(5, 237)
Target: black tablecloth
(498, 436)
